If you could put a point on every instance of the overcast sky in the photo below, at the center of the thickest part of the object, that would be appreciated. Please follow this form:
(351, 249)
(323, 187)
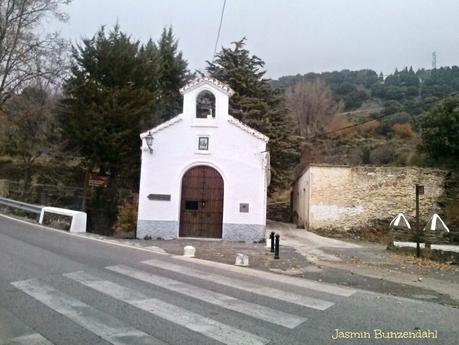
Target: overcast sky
(291, 36)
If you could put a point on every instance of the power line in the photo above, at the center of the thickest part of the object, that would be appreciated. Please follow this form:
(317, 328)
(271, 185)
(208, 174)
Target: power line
(219, 27)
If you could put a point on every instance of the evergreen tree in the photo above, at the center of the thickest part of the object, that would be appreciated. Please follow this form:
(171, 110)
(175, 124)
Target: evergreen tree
(439, 128)
(109, 95)
(173, 74)
(258, 105)
(117, 89)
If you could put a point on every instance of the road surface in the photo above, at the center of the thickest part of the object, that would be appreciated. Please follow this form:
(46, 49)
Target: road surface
(64, 290)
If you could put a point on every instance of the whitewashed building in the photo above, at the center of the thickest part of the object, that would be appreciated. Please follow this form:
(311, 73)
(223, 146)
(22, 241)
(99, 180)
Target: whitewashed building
(204, 173)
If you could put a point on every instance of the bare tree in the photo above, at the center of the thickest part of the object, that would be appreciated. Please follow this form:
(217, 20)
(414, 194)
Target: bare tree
(311, 106)
(26, 53)
(29, 128)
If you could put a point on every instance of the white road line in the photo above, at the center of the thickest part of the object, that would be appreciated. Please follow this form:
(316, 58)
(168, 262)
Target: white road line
(240, 284)
(221, 300)
(31, 339)
(195, 322)
(97, 322)
(300, 282)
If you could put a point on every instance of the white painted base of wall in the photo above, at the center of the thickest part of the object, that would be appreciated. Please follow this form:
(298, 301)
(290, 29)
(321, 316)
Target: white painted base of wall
(157, 229)
(244, 232)
(169, 230)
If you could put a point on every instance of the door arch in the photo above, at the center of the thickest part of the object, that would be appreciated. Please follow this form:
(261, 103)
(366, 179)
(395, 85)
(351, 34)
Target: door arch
(201, 206)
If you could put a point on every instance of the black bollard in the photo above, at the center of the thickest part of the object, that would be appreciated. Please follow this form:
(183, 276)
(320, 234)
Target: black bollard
(271, 237)
(276, 252)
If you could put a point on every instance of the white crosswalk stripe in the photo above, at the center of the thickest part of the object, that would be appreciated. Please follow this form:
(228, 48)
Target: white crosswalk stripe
(225, 301)
(195, 322)
(240, 284)
(302, 282)
(30, 339)
(13, 331)
(97, 322)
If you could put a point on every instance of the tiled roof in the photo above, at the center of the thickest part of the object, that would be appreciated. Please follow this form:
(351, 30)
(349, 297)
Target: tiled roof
(207, 80)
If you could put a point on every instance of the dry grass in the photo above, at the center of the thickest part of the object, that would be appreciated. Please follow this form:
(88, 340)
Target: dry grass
(425, 263)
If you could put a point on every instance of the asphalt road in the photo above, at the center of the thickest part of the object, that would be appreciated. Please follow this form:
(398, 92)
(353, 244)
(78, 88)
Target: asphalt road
(64, 290)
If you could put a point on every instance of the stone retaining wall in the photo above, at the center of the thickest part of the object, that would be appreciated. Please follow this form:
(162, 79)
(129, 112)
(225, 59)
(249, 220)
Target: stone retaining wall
(349, 198)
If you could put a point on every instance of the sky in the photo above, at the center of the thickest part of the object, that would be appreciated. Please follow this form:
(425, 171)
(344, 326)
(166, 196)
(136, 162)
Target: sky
(291, 36)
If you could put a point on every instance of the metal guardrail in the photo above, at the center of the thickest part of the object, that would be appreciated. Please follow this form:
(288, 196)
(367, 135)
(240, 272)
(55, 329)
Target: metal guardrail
(21, 205)
(79, 219)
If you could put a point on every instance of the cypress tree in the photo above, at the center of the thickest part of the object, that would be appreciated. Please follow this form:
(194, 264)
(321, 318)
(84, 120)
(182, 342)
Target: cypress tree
(108, 96)
(173, 74)
(260, 106)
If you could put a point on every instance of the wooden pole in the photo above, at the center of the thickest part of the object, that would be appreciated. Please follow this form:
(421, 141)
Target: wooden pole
(418, 237)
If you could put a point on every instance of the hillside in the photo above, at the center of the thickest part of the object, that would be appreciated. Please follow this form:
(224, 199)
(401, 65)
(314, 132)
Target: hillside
(387, 108)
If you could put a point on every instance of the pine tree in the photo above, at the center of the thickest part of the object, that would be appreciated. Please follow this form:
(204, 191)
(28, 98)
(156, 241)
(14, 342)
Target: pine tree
(258, 105)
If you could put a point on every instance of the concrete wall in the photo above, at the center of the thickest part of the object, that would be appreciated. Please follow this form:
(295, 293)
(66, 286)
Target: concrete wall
(356, 197)
(235, 151)
(300, 200)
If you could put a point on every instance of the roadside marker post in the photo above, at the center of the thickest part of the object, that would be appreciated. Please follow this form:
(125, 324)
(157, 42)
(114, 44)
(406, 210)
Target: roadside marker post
(419, 191)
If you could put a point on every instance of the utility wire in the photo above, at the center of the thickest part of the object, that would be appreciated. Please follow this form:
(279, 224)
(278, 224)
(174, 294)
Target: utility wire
(377, 118)
(219, 27)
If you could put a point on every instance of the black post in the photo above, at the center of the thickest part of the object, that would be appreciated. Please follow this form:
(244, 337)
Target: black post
(271, 236)
(418, 246)
(276, 253)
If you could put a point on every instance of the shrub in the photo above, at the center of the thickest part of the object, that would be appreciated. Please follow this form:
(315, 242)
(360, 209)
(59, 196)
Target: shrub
(365, 155)
(403, 130)
(416, 158)
(391, 107)
(368, 127)
(389, 121)
(126, 221)
(382, 155)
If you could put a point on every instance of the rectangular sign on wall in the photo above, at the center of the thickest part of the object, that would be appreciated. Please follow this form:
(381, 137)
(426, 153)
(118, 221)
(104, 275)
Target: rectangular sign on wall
(160, 197)
(97, 181)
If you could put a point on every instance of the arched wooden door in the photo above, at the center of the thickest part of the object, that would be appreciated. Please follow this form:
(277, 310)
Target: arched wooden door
(201, 211)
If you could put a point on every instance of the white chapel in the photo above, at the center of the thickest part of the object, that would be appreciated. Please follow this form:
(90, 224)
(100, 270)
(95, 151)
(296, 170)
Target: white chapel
(204, 173)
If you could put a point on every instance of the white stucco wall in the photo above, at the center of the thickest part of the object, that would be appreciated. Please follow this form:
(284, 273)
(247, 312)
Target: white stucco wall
(238, 155)
(300, 199)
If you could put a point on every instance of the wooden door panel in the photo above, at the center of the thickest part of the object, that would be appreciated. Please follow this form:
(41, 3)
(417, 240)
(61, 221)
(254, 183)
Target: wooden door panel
(202, 186)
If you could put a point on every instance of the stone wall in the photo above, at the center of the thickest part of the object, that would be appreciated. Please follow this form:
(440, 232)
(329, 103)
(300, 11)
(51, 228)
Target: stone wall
(346, 198)
(4, 187)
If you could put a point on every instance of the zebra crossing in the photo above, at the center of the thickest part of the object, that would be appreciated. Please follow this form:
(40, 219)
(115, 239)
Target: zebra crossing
(29, 339)
(95, 321)
(120, 331)
(254, 310)
(244, 285)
